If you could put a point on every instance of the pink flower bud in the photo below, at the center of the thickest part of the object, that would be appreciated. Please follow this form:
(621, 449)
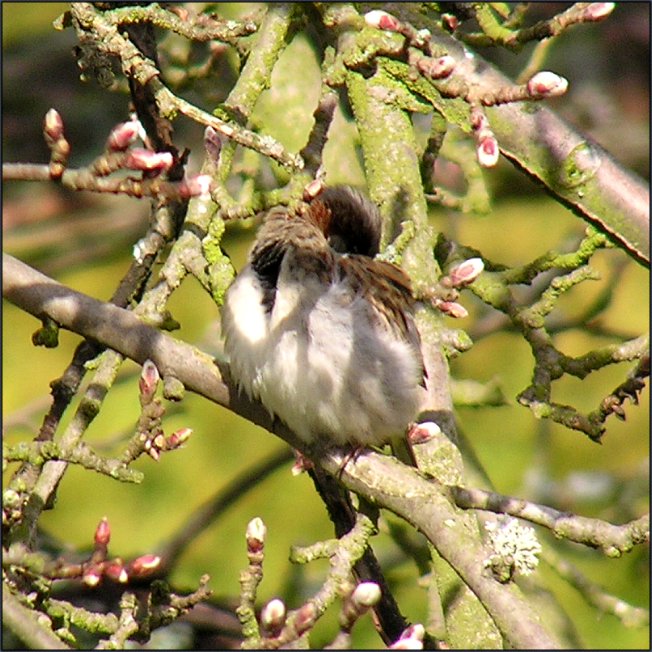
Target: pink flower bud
(103, 532)
(366, 594)
(598, 10)
(178, 437)
(382, 20)
(420, 433)
(466, 272)
(149, 378)
(143, 565)
(256, 532)
(53, 125)
(479, 121)
(546, 84)
(452, 309)
(123, 135)
(272, 616)
(92, 576)
(116, 571)
(488, 151)
(144, 159)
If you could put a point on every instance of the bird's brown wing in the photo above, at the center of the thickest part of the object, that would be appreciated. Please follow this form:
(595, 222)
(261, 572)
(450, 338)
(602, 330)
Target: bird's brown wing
(388, 291)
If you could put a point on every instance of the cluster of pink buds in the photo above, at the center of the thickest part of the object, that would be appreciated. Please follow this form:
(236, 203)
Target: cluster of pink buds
(99, 567)
(120, 154)
(155, 441)
(432, 65)
(161, 443)
(116, 570)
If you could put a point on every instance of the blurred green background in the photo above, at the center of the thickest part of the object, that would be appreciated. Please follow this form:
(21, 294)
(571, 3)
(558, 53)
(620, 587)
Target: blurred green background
(85, 242)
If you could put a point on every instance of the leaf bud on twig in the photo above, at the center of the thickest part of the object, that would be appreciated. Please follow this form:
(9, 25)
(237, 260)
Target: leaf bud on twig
(272, 617)
(53, 125)
(598, 10)
(256, 532)
(382, 20)
(143, 566)
(466, 272)
(103, 533)
(148, 382)
(420, 433)
(366, 595)
(123, 135)
(546, 84)
(305, 619)
(116, 571)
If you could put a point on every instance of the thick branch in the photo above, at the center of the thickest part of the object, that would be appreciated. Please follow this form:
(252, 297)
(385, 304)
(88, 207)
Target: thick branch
(114, 327)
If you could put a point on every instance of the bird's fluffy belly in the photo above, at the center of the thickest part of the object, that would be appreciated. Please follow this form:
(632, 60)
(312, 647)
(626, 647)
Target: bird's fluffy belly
(319, 361)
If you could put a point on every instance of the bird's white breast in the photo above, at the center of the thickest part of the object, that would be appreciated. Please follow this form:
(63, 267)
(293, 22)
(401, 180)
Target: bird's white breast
(319, 360)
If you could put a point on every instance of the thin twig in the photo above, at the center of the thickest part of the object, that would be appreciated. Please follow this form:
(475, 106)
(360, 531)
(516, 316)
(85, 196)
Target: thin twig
(611, 539)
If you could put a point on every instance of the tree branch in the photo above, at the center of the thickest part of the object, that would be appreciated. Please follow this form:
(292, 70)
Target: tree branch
(613, 540)
(379, 478)
(27, 624)
(577, 171)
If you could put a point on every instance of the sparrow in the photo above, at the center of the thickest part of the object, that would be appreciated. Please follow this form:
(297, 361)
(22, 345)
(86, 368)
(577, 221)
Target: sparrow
(320, 332)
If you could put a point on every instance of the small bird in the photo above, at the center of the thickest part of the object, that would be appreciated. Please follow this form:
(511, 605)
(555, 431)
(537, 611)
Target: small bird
(321, 332)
